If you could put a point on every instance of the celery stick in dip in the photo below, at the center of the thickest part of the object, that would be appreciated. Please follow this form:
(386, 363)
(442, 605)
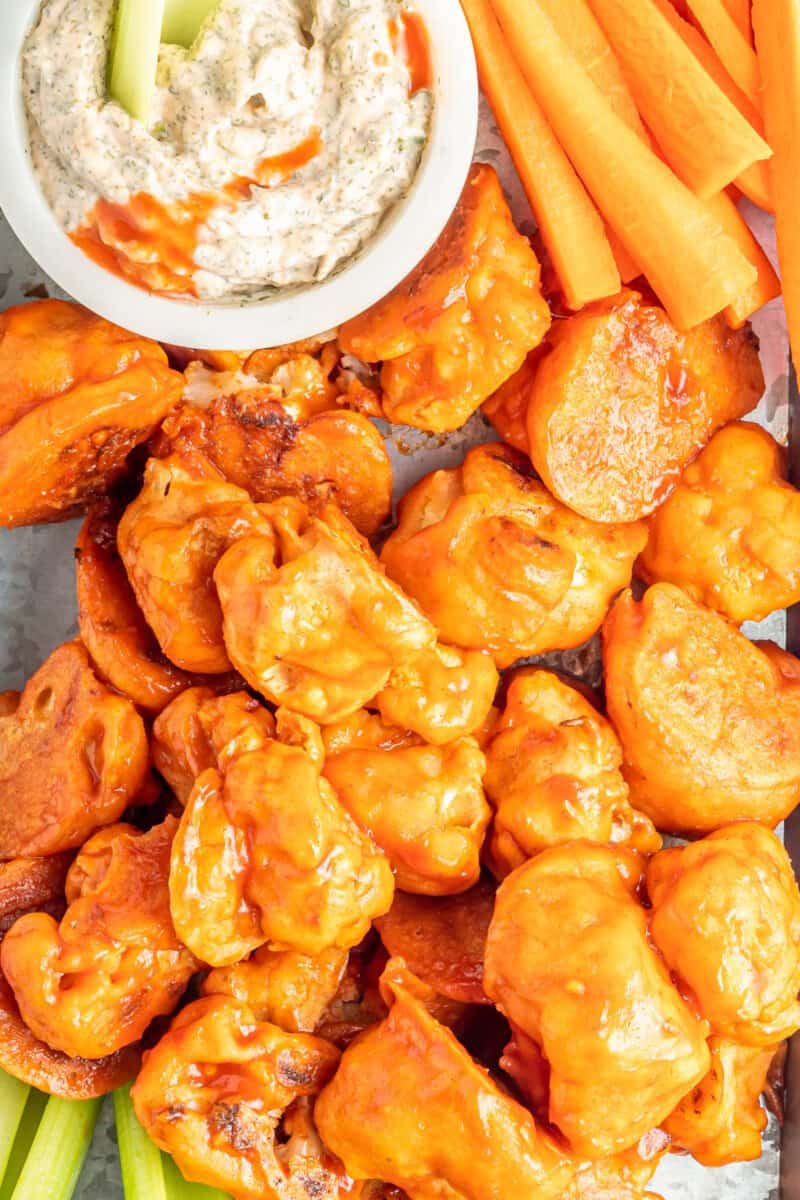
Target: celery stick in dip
(183, 20)
(274, 146)
(134, 55)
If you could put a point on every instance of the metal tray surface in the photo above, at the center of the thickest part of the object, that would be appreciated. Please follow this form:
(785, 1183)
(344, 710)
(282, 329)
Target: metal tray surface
(37, 613)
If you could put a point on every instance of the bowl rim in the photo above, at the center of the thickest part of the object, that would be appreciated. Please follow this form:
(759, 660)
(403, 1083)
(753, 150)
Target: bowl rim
(401, 242)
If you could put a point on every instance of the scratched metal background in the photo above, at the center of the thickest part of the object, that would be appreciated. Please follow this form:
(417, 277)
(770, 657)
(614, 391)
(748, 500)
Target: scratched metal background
(37, 613)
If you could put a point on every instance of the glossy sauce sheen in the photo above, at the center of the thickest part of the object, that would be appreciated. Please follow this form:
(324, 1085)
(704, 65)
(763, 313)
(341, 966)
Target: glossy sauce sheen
(412, 39)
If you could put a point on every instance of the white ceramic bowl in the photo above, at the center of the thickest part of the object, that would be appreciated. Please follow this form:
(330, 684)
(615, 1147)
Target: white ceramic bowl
(402, 240)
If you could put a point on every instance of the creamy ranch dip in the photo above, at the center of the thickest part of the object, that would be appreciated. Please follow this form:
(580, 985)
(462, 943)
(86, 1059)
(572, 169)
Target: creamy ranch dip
(323, 88)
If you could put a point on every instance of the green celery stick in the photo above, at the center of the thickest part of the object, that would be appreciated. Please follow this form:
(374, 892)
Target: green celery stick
(58, 1151)
(179, 1188)
(13, 1098)
(26, 1132)
(133, 61)
(183, 20)
(140, 1159)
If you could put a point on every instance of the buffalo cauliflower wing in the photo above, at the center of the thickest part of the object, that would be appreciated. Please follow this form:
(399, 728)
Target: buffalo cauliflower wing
(623, 401)
(200, 729)
(709, 722)
(497, 564)
(553, 775)
(726, 917)
(424, 805)
(170, 539)
(256, 444)
(289, 989)
(462, 322)
(266, 854)
(442, 694)
(122, 646)
(569, 962)
(93, 983)
(356, 625)
(77, 395)
(409, 1105)
(73, 757)
(33, 1062)
(227, 1096)
(721, 1120)
(729, 535)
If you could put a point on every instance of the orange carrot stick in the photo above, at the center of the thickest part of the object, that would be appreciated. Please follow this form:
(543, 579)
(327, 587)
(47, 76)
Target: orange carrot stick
(722, 208)
(754, 182)
(578, 26)
(694, 267)
(740, 11)
(575, 22)
(776, 24)
(767, 285)
(581, 31)
(627, 268)
(703, 52)
(732, 48)
(701, 133)
(571, 226)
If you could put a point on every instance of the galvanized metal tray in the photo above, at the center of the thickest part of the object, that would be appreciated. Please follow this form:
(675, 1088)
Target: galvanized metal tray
(37, 613)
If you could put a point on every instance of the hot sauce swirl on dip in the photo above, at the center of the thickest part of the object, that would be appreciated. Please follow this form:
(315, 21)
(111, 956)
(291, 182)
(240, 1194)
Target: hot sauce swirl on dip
(274, 149)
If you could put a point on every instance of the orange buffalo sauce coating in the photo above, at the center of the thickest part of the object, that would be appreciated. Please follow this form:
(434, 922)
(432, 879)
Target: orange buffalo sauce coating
(729, 534)
(123, 648)
(77, 395)
(709, 722)
(92, 984)
(721, 1120)
(499, 565)
(32, 1061)
(357, 625)
(201, 730)
(32, 885)
(553, 775)
(254, 439)
(229, 1097)
(726, 917)
(75, 754)
(290, 989)
(409, 1104)
(623, 400)
(424, 805)
(507, 409)
(170, 539)
(442, 939)
(441, 694)
(462, 321)
(569, 962)
(146, 242)
(266, 854)
(152, 244)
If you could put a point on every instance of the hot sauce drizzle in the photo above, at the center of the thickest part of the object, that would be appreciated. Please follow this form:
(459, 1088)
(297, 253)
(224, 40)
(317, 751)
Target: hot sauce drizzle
(152, 244)
(409, 37)
(418, 52)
